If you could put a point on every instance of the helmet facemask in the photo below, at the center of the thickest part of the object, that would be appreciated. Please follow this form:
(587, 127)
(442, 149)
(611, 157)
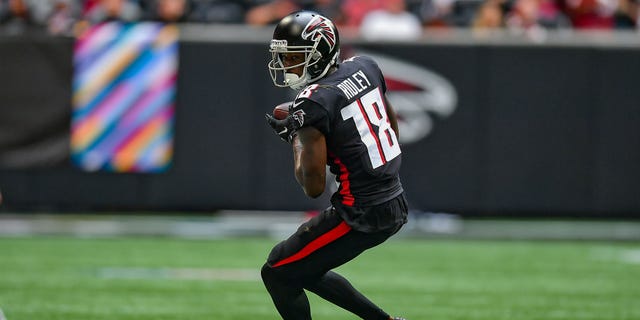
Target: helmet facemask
(282, 75)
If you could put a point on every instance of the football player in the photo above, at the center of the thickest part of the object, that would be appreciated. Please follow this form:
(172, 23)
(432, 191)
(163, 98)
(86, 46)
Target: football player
(340, 118)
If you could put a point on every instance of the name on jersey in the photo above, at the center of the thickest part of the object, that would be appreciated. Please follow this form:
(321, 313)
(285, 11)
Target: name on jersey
(355, 84)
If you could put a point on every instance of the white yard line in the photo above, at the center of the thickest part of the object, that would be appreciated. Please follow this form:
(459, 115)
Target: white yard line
(211, 274)
(630, 256)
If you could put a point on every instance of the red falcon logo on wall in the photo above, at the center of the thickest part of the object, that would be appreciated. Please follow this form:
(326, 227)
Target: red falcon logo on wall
(418, 94)
(320, 27)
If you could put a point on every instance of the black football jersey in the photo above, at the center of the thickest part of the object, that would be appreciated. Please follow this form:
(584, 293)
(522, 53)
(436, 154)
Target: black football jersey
(348, 107)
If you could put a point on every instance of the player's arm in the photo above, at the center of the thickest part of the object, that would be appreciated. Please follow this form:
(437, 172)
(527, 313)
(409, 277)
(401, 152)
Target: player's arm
(393, 118)
(310, 160)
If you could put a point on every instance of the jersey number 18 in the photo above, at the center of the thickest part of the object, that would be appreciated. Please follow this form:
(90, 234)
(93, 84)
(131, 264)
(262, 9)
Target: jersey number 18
(368, 112)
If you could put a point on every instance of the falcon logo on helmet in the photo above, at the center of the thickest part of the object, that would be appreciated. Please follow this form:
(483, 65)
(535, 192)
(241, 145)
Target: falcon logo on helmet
(319, 26)
(310, 36)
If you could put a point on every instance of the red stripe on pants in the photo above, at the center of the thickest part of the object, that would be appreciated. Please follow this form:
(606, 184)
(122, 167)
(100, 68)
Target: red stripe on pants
(333, 234)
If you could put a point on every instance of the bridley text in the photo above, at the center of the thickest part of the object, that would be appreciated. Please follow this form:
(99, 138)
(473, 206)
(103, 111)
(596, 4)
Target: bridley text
(355, 84)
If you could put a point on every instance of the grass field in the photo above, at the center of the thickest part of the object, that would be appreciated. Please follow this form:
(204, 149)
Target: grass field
(144, 278)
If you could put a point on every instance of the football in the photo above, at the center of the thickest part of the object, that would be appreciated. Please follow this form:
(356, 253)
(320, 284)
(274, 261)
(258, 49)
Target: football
(281, 111)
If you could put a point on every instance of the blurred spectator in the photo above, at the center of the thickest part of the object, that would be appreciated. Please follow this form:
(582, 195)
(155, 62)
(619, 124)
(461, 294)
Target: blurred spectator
(355, 10)
(392, 22)
(217, 11)
(331, 9)
(551, 16)
(270, 12)
(449, 13)
(63, 16)
(523, 19)
(626, 16)
(17, 16)
(488, 18)
(590, 14)
(167, 10)
(532, 18)
(373, 19)
(97, 11)
(437, 13)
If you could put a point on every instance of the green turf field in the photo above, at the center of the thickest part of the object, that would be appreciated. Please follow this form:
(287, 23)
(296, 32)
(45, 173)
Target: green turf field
(143, 278)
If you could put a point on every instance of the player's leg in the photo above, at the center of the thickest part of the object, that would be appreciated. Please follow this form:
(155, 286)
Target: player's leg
(381, 222)
(285, 270)
(338, 290)
(288, 297)
(303, 260)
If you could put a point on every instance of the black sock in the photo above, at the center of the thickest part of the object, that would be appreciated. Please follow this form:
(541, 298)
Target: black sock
(336, 289)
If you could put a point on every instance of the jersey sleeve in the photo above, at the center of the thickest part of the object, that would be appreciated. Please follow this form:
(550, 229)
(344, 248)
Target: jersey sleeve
(310, 114)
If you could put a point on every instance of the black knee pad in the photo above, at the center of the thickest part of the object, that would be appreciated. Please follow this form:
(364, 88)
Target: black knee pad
(267, 273)
(270, 274)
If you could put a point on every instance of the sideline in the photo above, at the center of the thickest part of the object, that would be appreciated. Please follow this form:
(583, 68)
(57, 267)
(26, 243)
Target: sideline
(278, 225)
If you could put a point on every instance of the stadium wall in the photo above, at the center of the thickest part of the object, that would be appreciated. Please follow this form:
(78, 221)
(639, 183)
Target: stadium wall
(514, 130)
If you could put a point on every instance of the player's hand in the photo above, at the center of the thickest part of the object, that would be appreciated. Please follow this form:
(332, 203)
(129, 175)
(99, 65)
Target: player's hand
(285, 128)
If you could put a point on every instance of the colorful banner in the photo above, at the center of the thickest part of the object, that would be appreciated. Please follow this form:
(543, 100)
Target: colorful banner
(124, 88)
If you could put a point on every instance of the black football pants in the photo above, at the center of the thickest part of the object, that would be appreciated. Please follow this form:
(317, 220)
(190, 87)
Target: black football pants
(305, 259)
